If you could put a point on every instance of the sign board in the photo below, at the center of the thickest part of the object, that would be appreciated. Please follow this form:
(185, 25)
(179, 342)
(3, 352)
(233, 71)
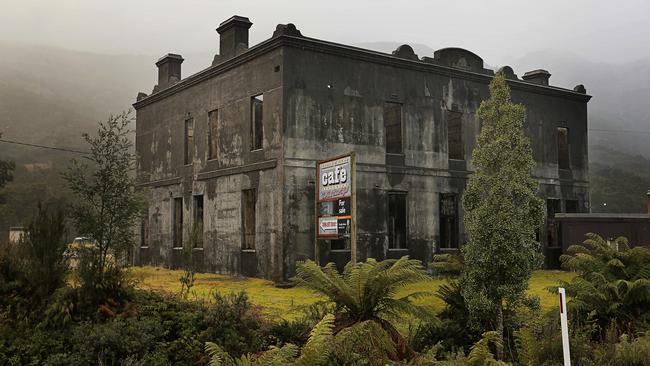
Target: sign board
(336, 200)
(327, 226)
(335, 178)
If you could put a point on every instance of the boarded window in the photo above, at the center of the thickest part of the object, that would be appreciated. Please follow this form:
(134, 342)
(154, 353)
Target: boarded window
(572, 206)
(563, 148)
(393, 127)
(144, 232)
(455, 135)
(397, 220)
(213, 135)
(553, 206)
(178, 222)
(448, 220)
(198, 221)
(189, 141)
(249, 199)
(257, 125)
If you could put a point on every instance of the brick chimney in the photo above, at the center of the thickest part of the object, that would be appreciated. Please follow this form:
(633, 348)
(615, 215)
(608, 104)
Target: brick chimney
(537, 77)
(169, 70)
(233, 36)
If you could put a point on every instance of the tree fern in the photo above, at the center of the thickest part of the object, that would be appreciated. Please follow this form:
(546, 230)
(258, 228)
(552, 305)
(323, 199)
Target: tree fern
(612, 285)
(369, 291)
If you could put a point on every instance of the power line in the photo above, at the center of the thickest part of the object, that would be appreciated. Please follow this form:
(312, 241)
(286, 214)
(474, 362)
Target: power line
(45, 147)
(617, 131)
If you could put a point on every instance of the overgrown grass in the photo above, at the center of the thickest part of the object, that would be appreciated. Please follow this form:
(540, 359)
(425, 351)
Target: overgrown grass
(286, 303)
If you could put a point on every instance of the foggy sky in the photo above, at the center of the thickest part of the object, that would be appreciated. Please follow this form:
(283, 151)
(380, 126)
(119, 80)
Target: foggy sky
(610, 31)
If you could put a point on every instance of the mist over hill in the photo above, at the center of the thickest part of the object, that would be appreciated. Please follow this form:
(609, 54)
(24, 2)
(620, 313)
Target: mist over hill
(620, 91)
(51, 96)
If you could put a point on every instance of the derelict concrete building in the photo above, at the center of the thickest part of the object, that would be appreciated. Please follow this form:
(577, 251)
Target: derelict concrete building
(233, 149)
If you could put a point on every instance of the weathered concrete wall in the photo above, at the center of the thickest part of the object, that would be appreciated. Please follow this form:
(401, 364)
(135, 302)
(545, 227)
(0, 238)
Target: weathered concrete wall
(320, 100)
(334, 104)
(160, 145)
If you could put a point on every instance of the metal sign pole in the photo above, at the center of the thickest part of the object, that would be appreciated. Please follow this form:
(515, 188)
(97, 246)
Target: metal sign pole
(316, 200)
(353, 222)
(565, 328)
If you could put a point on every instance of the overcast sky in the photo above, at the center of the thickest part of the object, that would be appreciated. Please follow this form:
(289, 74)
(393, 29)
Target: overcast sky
(611, 31)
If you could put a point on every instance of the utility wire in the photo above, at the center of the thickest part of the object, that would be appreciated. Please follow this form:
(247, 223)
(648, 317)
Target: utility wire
(45, 147)
(616, 131)
(86, 153)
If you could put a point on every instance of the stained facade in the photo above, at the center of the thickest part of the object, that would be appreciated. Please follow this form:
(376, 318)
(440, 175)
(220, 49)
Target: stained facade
(230, 152)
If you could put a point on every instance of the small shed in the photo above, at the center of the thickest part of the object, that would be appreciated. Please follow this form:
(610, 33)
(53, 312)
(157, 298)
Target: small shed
(574, 226)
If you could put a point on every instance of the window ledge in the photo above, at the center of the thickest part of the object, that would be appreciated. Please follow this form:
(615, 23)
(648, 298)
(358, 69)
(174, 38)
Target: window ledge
(449, 249)
(339, 250)
(198, 249)
(398, 249)
(144, 247)
(177, 248)
(248, 251)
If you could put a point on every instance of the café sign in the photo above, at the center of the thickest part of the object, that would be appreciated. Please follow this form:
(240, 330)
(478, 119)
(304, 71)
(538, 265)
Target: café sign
(336, 200)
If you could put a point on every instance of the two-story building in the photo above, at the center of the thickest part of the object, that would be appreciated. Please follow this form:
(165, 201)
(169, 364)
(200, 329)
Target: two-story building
(231, 150)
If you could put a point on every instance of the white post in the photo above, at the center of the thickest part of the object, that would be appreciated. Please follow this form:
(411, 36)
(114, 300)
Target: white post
(565, 328)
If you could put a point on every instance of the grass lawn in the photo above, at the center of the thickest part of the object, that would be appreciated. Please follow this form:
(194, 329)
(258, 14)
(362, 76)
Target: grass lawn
(286, 303)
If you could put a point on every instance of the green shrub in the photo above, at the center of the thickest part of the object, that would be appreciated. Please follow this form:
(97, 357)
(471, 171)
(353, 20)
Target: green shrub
(234, 324)
(632, 352)
(294, 332)
(33, 269)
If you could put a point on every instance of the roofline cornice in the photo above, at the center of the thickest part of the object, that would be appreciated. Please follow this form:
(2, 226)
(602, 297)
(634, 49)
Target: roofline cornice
(356, 53)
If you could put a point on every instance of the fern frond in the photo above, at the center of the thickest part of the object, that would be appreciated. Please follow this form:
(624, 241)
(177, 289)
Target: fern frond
(218, 357)
(318, 348)
(480, 353)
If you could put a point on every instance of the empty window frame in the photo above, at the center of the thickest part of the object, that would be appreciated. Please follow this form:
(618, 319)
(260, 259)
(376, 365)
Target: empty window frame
(144, 232)
(448, 220)
(571, 206)
(188, 143)
(213, 134)
(198, 222)
(249, 200)
(393, 127)
(553, 206)
(397, 220)
(563, 160)
(455, 146)
(338, 244)
(257, 122)
(177, 216)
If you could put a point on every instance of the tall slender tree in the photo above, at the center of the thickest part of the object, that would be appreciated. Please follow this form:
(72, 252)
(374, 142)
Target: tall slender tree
(502, 210)
(109, 200)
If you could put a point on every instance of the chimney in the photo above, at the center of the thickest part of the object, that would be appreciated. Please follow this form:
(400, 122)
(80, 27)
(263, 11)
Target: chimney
(233, 36)
(169, 70)
(648, 201)
(537, 77)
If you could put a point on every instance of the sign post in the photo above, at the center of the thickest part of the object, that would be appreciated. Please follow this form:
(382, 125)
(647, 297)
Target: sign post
(565, 328)
(336, 202)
